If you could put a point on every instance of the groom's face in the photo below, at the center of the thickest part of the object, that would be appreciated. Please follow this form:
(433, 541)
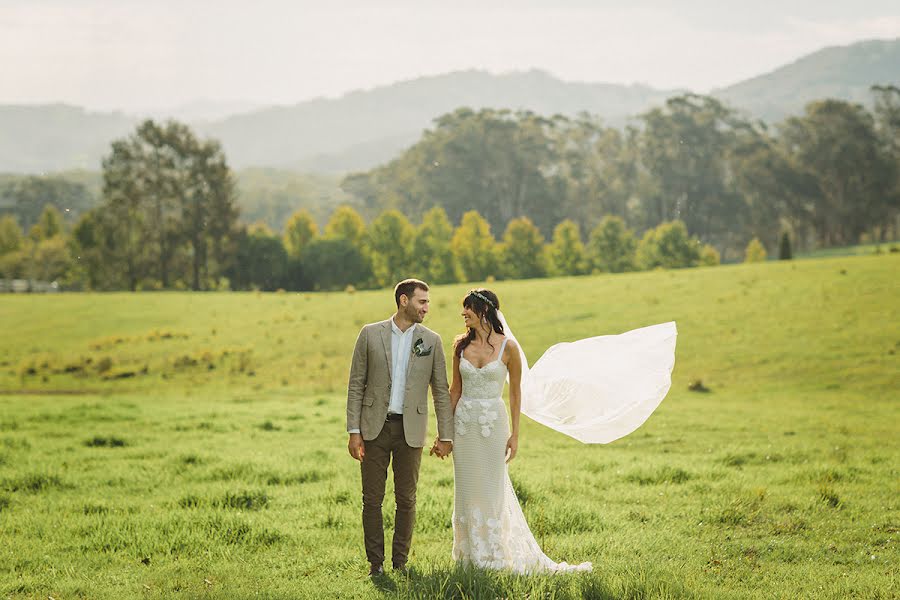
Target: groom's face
(417, 306)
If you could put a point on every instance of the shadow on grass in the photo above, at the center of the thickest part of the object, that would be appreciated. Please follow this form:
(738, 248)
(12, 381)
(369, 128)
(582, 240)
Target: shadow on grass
(466, 583)
(385, 584)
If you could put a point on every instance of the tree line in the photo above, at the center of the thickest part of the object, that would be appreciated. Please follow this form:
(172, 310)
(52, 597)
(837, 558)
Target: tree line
(486, 194)
(828, 177)
(347, 252)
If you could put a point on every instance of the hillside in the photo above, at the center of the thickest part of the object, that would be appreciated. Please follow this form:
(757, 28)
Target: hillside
(365, 128)
(268, 196)
(186, 445)
(844, 72)
(385, 119)
(58, 137)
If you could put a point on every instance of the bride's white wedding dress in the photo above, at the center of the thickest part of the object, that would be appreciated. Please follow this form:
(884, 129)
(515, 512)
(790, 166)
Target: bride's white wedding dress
(597, 389)
(489, 529)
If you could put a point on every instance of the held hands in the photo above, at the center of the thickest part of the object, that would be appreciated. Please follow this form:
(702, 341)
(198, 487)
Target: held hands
(356, 446)
(440, 449)
(512, 446)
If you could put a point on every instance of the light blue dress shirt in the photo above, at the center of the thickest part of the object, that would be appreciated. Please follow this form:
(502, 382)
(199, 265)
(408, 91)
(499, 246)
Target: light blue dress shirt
(401, 348)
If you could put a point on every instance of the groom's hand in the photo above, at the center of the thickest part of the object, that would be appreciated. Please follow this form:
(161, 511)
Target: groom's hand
(356, 446)
(441, 449)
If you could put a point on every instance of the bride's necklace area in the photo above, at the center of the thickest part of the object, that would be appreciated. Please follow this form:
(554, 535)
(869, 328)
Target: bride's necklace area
(485, 351)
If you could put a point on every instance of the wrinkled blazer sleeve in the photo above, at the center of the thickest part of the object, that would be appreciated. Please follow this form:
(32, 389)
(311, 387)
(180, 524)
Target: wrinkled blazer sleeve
(356, 387)
(440, 391)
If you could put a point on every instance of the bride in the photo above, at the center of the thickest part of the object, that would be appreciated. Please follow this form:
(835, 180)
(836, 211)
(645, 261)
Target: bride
(595, 390)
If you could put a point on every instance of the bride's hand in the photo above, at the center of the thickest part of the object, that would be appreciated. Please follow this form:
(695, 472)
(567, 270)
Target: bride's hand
(512, 446)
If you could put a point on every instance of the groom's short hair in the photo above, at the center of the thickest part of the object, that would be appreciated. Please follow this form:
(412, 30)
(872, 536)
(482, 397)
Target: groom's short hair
(407, 287)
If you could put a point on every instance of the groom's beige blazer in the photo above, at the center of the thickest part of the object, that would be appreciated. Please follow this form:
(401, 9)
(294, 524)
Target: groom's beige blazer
(369, 389)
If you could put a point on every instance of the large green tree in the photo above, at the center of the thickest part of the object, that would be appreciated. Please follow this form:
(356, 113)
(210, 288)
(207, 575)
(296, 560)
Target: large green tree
(390, 240)
(299, 231)
(333, 263)
(97, 263)
(612, 246)
(209, 211)
(43, 255)
(773, 193)
(669, 246)
(887, 116)
(11, 237)
(835, 145)
(685, 147)
(432, 256)
(497, 162)
(173, 197)
(51, 260)
(598, 167)
(14, 249)
(347, 224)
(475, 248)
(522, 251)
(261, 261)
(887, 123)
(48, 225)
(566, 253)
(112, 241)
(29, 195)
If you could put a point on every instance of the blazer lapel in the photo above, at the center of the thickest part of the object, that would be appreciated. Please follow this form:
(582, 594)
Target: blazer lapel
(412, 355)
(386, 338)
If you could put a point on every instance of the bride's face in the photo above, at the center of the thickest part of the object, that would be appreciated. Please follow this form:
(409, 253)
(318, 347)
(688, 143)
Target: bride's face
(470, 318)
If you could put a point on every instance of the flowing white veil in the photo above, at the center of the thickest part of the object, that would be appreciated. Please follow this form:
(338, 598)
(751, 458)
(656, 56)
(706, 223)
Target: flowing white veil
(599, 389)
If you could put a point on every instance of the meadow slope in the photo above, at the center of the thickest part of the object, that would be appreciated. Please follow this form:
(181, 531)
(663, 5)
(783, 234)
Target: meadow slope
(184, 445)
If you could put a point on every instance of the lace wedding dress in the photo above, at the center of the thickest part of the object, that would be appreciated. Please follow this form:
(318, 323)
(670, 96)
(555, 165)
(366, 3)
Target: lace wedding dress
(489, 529)
(595, 390)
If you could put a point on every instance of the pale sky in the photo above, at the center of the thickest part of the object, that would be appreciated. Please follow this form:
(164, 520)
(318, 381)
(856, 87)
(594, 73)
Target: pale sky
(131, 54)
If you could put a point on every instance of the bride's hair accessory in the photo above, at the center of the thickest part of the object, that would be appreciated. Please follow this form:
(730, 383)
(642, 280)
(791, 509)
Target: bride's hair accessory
(483, 297)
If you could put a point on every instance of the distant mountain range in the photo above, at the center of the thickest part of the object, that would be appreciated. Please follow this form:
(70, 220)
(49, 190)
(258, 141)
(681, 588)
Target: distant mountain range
(365, 128)
(844, 72)
(200, 110)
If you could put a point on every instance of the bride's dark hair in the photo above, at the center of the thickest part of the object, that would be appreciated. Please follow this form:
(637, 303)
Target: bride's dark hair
(485, 304)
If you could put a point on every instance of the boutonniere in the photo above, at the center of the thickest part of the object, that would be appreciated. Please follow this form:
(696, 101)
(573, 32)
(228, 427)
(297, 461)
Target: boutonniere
(419, 348)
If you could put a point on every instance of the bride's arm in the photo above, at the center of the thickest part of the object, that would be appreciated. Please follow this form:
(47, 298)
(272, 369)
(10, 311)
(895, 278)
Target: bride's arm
(515, 396)
(456, 383)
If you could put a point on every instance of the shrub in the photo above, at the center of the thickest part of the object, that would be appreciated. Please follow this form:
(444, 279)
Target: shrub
(32, 483)
(755, 251)
(243, 500)
(612, 246)
(108, 442)
(664, 474)
(668, 246)
(784, 248)
(709, 256)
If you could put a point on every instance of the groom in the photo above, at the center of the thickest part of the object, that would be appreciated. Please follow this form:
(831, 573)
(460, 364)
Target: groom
(394, 361)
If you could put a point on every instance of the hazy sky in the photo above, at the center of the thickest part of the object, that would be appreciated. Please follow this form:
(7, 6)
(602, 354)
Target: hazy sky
(158, 53)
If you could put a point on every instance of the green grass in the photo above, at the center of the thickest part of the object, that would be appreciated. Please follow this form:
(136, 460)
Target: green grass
(176, 445)
(857, 250)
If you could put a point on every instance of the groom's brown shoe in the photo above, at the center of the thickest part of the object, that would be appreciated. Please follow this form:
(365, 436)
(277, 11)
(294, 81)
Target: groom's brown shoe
(375, 570)
(401, 569)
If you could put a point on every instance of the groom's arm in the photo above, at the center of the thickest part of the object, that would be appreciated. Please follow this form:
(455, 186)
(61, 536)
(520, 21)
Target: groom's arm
(441, 394)
(356, 387)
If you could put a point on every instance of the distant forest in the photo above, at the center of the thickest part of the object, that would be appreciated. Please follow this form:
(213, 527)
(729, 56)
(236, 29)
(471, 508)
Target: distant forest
(167, 211)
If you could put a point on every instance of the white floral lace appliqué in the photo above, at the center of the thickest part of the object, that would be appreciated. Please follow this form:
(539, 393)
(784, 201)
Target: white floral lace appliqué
(483, 413)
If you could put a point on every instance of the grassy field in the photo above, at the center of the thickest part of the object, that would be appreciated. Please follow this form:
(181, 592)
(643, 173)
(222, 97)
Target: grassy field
(177, 445)
(858, 250)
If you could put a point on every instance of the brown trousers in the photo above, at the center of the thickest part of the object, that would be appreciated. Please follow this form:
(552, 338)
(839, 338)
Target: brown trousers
(390, 442)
